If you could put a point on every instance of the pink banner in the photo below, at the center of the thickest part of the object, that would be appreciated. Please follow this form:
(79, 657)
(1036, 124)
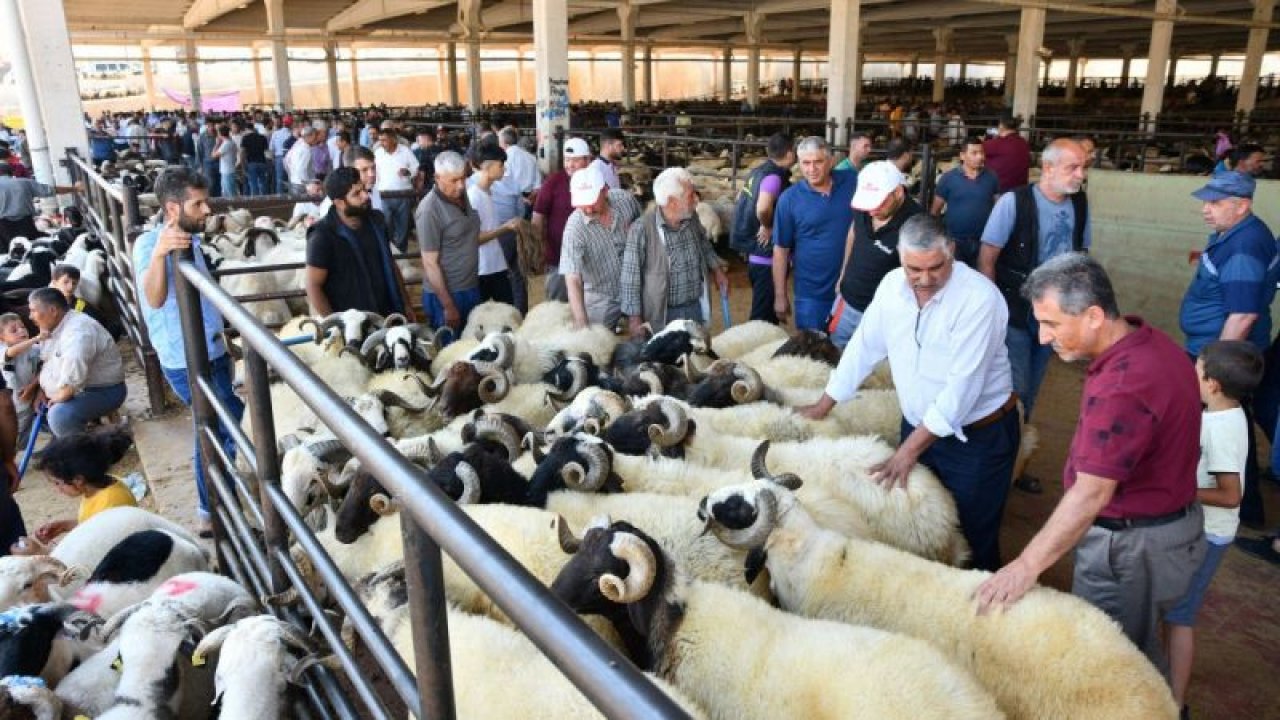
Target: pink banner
(223, 102)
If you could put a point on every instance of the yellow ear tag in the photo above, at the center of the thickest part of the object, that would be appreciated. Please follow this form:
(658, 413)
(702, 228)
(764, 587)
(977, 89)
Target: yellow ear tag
(82, 717)
(197, 660)
(118, 664)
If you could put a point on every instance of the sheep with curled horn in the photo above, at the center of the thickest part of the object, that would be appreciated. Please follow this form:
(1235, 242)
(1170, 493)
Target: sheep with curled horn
(658, 427)
(351, 324)
(569, 375)
(399, 345)
(465, 386)
(727, 383)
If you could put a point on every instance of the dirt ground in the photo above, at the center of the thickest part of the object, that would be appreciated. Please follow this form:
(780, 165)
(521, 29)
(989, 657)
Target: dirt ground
(1238, 651)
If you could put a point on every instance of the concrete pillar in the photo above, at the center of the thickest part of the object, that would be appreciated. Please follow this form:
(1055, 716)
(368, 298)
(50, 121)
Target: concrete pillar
(1248, 95)
(754, 24)
(646, 84)
(279, 53)
(1213, 64)
(843, 71)
(942, 45)
(627, 18)
(193, 74)
(1010, 68)
(1128, 50)
(1172, 78)
(453, 74)
(355, 78)
(726, 77)
(469, 20)
(915, 66)
(1048, 64)
(1074, 48)
(1030, 37)
(519, 76)
(28, 98)
(964, 69)
(551, 60)
(331, 64)
(1157, 63)
(54, 68)
(149, 78)
(259, 97)
(591, 75)
(858, 66)
(795, 73)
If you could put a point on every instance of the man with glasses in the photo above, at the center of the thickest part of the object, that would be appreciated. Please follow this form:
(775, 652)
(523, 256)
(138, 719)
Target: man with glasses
(941, 325)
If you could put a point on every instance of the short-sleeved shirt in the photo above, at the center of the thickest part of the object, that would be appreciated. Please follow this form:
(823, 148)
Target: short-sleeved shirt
(1009, 157)
(1055, 220)
(117, 494)
(227, 159)
(874, 254)
(354, 281)
(490, 254)
(1237, 273)
(969, 201)
(609, 172)
(254, 147)
(450, 229)
(1139, 425)
(814, 226)
(555, 204)
(19, 371)
(1224, 445)
(18, 197)
(163, 325)
(594, 251)
(389, 165)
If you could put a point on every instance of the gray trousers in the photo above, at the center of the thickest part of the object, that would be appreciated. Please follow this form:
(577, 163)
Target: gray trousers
(1137, 575)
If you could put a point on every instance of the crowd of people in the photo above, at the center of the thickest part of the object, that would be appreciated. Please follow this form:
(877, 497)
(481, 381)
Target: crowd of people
(966, 299)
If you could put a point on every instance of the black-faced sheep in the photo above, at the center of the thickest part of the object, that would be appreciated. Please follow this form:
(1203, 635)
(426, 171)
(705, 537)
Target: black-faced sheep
(741, 659)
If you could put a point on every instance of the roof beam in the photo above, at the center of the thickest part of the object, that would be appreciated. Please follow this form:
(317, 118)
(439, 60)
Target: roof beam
(368, 12)
(203, 12)
(1177, 16)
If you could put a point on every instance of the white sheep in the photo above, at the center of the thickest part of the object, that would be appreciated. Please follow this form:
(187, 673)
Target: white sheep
(739, 340)
(544, 318)
(456, 351)
(491, 317)
(268, 312)
(763, 353)
(257, 660)
(1085, 667)
(134, 568)
(742, 659)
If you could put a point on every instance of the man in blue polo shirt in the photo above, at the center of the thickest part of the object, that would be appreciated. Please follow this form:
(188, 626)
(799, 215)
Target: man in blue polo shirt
(968, 191)
(1230, 295)
(811, 222)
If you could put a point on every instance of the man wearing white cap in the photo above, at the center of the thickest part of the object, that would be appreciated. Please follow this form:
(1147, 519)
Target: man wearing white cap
(551, 210)
(591, 253)
(880, 207)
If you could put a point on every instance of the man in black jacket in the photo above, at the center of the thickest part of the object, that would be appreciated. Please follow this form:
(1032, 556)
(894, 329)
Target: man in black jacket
(349, 263)
(753, 222)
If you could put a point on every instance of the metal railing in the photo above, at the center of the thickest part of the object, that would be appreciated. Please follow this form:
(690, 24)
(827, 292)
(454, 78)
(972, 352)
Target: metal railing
(430, 523)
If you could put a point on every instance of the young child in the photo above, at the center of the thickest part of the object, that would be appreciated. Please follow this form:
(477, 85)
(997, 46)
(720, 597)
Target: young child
(1228, 371)
(77, 464)
(21, 369)
(66, 278)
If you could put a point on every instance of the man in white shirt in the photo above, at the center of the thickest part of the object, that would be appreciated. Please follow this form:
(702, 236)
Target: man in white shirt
(522, 166)
(298, 162)
(942, 326)
(82, 377)
(396, 167)
(612, 148)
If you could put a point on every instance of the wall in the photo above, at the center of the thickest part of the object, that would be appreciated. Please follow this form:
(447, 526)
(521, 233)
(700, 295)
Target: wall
(1144, 227)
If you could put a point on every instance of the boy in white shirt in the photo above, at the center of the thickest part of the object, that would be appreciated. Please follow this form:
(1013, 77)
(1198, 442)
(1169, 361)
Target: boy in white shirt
(490, 160)
(1228, 371)
(21, 356)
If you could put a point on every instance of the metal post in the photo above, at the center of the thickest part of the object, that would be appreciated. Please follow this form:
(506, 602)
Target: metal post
(926, 173)
(424, 576)
(197, 355)
(264, 445)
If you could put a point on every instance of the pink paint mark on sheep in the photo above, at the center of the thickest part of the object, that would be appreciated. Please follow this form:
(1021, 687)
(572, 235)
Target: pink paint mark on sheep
(88, 600)
(177, 588)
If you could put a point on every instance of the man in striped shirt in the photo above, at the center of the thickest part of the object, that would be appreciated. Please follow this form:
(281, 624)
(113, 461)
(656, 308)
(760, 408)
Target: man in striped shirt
(591, 249)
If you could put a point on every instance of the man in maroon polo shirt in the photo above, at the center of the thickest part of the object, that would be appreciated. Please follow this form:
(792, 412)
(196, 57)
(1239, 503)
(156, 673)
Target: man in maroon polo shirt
(1008, 155)
(1129, 509)
(551, 210)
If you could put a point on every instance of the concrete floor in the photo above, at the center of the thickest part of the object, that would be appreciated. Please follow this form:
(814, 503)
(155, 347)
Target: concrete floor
(1238, 656)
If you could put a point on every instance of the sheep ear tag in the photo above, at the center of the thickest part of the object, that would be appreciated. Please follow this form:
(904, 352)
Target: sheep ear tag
(197, 660)
(118, 664)
(754, 564)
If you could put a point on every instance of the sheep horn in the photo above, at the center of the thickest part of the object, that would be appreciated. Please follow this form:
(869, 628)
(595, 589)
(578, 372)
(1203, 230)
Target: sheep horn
(592, 426)
(690, 371)
(760, 469)
(210, 643)
(497, 430)
(373, 340)
(470, 483)
(306, 663)
(677, 424)
(642, 568)
(748, 387)
(578, 371)
(383, 505)
(494, 387)
(556, 403)
(533, 444)
(431, 390)
(287, 597)
(390, 398)
(573, 475)
(441, 333)
(506, 347)
(598, 466)
(394, 320)
(649, 377)
(330, 321)
(293, 638)
(375, 318)
(569, 542)
(327, 450)
(347, 349)
(754, 535)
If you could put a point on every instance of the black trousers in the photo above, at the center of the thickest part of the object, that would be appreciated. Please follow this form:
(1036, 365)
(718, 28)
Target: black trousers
(496, 287)
(761, 277)
(11, 228)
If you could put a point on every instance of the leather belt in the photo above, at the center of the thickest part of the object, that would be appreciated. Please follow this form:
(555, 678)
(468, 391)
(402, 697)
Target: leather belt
(996, 415)
(1117, 524)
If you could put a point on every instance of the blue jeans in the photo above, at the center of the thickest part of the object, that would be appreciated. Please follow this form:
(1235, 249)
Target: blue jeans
(812, 313)
(229, 189)
(464, 300)
(978, 474)
(1028, 361)
(221, 372)
(214, 177)
(397, 212)
(71, 416)
(282, 180)
(846, 324)
(256, 176)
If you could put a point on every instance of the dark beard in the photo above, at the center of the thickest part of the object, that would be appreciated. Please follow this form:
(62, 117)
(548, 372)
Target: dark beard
(356, 211)
(188, 224)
